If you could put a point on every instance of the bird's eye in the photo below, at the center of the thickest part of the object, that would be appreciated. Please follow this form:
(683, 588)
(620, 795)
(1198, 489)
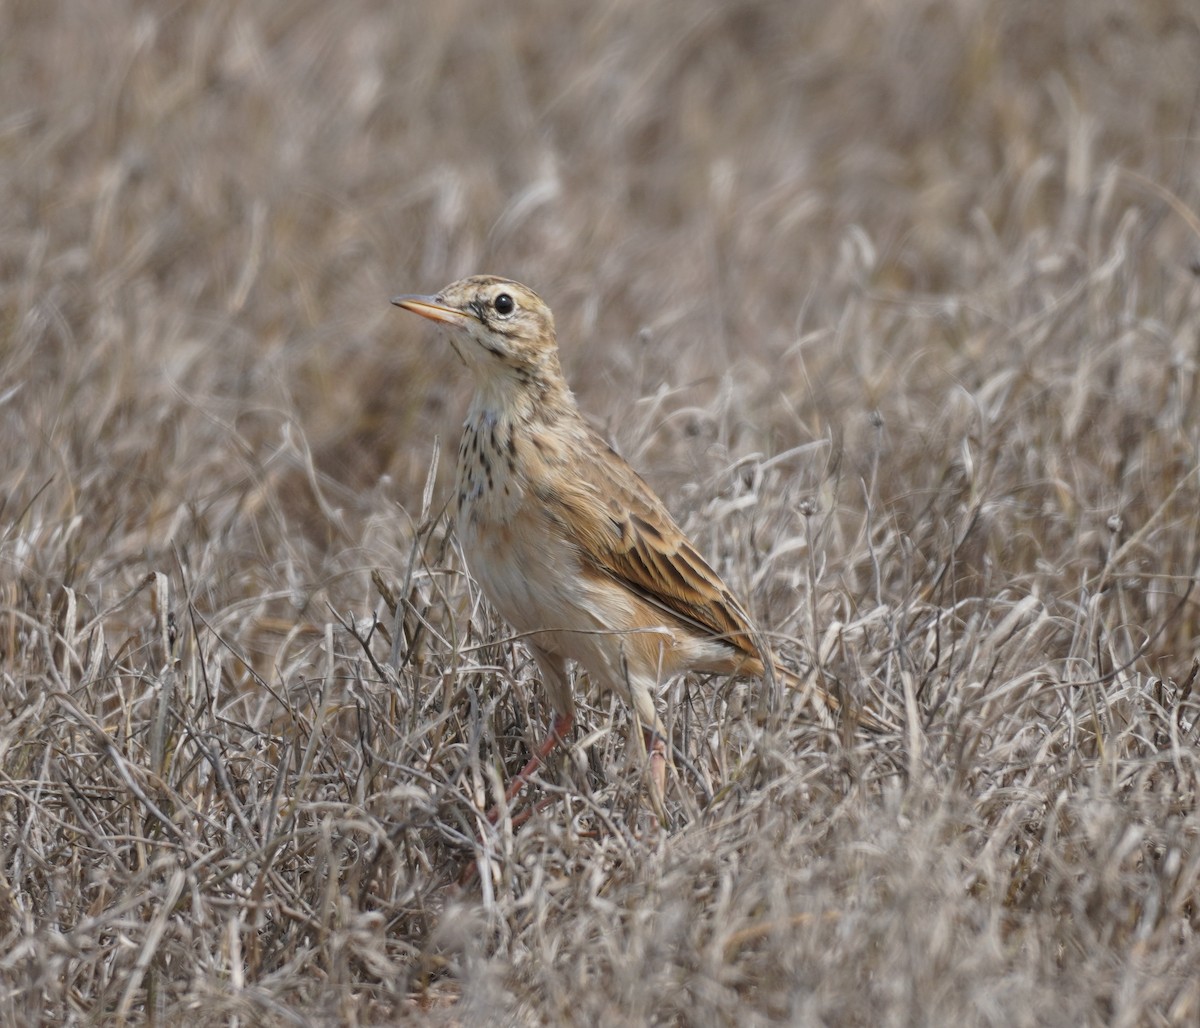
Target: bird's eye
(503, 304)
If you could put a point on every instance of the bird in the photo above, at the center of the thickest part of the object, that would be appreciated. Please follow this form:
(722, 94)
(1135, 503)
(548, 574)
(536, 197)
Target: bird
(567, 542)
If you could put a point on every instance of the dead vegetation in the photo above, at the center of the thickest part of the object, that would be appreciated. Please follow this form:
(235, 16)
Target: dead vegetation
(897, 304)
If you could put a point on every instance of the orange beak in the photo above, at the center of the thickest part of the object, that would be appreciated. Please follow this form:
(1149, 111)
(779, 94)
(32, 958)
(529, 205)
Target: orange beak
(429, 307)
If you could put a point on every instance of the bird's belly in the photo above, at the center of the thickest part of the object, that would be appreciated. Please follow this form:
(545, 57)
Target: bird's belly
(531, 577)
(535, 579)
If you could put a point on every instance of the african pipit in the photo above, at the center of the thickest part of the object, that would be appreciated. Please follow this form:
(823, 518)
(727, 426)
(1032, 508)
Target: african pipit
(568, 543)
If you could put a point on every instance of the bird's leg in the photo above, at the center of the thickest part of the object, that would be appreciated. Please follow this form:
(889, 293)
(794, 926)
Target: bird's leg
(656, 748)
(559, 729)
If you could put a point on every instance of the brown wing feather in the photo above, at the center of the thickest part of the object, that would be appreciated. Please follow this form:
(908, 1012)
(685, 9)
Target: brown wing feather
(626, 533)
(630, 536)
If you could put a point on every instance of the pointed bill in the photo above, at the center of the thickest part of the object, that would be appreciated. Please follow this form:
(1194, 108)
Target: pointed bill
(432, 308)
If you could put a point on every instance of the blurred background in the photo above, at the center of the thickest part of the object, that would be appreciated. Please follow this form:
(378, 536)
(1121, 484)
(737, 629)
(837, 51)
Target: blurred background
(896, 302)
(872, 234)
(791, 210)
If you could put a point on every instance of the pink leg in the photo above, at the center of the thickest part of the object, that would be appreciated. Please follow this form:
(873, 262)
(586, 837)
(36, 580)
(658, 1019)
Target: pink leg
(656, 748)
(559, 730)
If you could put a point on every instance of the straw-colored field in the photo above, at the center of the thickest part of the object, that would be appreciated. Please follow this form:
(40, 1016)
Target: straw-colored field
(896, 303)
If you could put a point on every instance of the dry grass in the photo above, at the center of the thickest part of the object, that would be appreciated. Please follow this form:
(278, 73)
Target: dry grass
(897, 303)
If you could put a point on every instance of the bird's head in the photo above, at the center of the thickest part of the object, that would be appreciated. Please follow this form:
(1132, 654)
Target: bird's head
(499, 328)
